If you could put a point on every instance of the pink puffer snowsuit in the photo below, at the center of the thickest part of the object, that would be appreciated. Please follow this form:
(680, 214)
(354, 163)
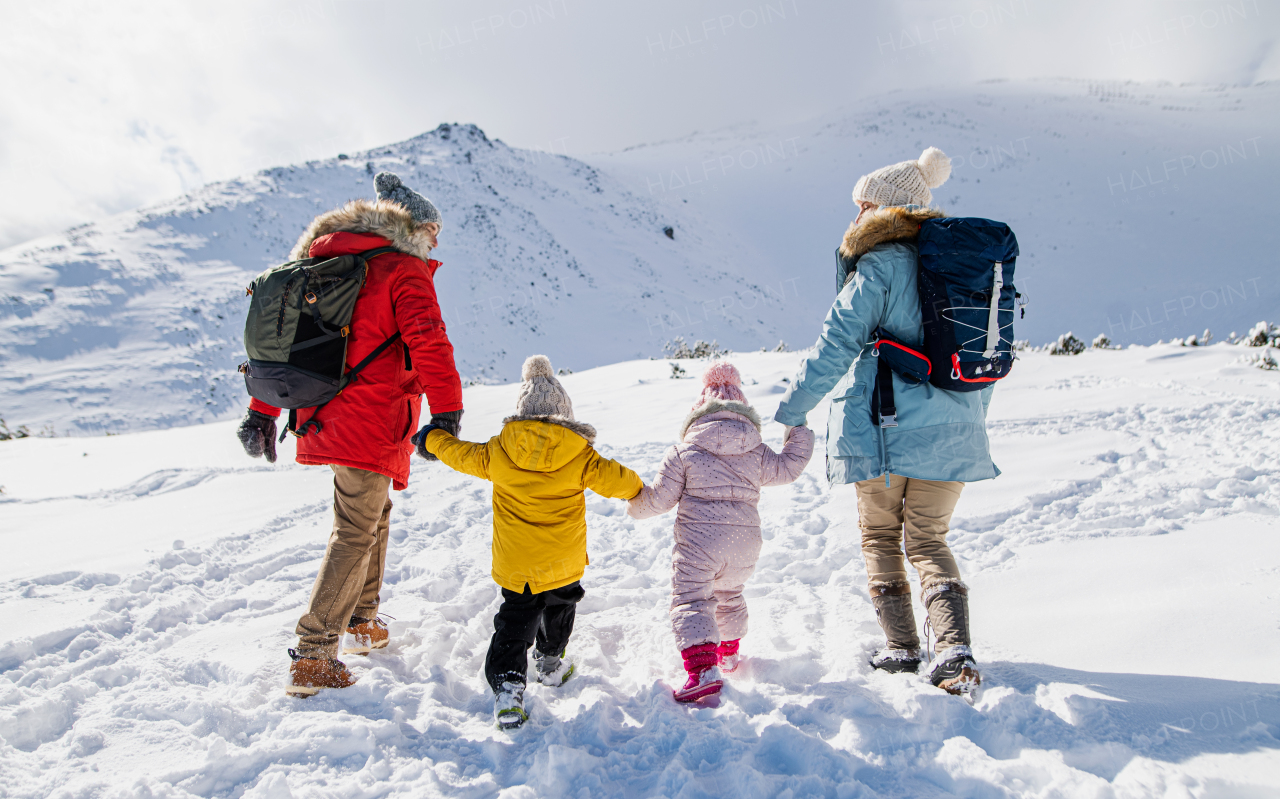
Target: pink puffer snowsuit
(715, 476)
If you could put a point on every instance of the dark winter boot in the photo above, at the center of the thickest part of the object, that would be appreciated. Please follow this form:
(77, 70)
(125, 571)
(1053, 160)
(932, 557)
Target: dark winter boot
(954, 669)
(508, 706)
(552, 670)
(893, 610)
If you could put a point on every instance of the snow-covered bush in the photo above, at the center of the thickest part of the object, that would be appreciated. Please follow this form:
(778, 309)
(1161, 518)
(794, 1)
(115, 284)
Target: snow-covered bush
(1102, 342)
(1020, 345)
(7, 434)
(22, 431)
(678, 349)
(1263, 360)
(678, 372)
(1067, 344)
(1262, 335)
(1196, 341)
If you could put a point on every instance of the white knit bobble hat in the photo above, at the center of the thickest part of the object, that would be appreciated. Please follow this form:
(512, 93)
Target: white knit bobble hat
(542, 394)
(905, 183)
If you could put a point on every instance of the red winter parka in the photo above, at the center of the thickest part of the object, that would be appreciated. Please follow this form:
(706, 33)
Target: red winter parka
(369, 424)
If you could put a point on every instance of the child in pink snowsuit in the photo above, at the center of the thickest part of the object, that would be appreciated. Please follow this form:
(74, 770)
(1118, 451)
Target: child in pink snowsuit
(715, 475)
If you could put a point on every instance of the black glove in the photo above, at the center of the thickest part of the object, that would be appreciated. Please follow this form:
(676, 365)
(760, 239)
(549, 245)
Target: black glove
(449, 421)
(258, 435)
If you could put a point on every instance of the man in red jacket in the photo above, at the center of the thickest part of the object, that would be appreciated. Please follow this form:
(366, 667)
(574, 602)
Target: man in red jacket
(366, 430)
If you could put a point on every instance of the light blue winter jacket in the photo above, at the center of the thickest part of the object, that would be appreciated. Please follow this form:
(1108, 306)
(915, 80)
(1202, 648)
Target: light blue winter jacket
(941, 435)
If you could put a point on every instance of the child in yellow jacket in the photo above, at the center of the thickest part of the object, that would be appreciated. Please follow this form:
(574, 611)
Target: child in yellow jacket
(539, 465)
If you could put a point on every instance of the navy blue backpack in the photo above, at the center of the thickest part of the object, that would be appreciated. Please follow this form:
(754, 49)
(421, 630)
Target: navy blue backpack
(967, 301)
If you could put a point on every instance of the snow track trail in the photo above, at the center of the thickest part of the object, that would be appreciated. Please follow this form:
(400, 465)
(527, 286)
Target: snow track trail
(150, 600)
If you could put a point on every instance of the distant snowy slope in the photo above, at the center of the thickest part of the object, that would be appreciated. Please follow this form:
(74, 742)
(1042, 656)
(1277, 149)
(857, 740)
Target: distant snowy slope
(136, 322)
(1141, 209)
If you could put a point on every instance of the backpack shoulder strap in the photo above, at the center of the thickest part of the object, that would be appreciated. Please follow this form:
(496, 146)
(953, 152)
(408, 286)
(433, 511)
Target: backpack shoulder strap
(374, 253)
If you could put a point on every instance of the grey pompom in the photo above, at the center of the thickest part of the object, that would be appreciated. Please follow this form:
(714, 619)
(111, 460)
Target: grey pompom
(386, 181)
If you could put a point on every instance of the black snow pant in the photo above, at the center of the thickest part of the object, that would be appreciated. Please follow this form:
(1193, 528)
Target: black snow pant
(525, 619)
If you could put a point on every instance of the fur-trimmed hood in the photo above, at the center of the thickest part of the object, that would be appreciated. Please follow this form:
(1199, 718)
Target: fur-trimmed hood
(581, 428)
(723, 427)
(380, 217)
(716, 406)
(892, 223)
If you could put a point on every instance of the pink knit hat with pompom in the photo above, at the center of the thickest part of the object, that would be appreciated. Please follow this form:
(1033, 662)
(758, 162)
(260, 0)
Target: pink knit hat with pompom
(721, 381)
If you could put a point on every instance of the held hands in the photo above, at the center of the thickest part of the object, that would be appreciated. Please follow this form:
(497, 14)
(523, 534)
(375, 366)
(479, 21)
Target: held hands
(257, 434)
(786, 431)
(449, 421)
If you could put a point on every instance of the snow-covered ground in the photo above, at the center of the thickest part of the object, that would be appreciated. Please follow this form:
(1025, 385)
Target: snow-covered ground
(1126, 608)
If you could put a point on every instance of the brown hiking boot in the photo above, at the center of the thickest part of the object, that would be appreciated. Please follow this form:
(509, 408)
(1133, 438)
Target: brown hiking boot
(307, 676)
(364, 635)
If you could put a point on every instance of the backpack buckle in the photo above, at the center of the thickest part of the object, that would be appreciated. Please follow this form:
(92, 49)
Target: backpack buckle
(311, 297)
(890, 420)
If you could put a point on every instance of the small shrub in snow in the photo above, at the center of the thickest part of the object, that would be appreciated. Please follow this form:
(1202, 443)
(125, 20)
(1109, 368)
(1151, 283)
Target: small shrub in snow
(7, 434)
(677, 372)
(1263, 360)
(678, 349)
(1067, 344)
(563, 372)
(1102, 342)
(1020, 345)
(1196, 341)
(1262, 335)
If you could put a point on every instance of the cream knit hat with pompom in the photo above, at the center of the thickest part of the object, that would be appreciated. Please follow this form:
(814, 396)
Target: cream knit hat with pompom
(542, 394)
(905, 183)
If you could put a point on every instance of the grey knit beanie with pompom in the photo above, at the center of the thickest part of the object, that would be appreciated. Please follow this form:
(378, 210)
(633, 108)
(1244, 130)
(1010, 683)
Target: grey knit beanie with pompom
(420, 208)
(542, 394)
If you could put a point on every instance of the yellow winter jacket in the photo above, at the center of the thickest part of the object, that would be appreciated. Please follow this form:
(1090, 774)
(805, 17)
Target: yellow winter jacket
(539, 469)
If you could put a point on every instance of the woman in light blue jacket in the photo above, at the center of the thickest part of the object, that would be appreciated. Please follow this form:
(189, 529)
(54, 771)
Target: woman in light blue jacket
(909, 476)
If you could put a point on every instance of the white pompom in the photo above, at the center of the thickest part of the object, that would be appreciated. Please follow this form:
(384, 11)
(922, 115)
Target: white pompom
(934, 166)
(536, 366)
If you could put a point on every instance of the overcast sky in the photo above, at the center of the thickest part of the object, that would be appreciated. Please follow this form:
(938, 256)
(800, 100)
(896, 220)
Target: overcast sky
(107, 106)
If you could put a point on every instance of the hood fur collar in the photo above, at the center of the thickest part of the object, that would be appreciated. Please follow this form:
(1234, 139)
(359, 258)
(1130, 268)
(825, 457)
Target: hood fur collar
(581, 428)
(381, 218)
(715, 406)
(892, 223)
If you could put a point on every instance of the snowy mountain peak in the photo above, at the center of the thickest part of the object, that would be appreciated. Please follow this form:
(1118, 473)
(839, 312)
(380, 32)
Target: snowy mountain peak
(135, 321)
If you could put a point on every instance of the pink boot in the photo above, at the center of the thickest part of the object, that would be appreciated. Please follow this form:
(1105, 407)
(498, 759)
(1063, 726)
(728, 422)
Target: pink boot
(728, 652)
(704, 675)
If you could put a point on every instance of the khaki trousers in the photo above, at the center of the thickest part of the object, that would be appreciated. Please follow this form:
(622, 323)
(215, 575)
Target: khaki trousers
(351, 573)
(914, 512)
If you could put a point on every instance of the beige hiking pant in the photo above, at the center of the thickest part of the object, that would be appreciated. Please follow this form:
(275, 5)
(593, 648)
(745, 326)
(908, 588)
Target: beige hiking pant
(351, 573)
(917, 512)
